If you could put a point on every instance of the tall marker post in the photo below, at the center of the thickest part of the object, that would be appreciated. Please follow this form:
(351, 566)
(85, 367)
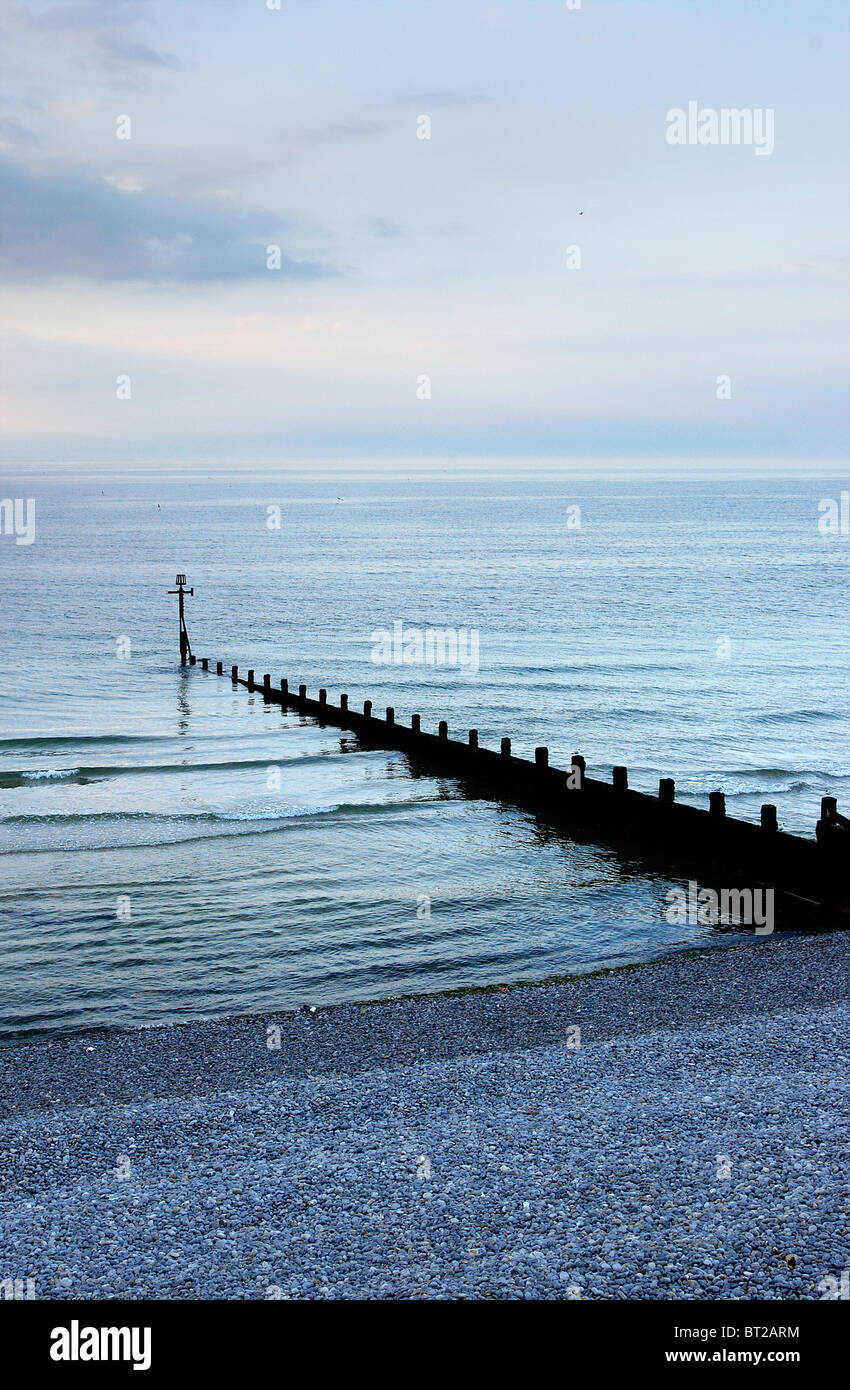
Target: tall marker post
(185, 649)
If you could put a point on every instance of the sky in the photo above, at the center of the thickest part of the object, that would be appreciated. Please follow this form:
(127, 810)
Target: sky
(546, 275)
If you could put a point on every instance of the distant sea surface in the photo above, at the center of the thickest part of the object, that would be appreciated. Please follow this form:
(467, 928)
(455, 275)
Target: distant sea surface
(172, 849)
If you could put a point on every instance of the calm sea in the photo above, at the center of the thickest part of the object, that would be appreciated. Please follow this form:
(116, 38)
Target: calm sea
(173, 849)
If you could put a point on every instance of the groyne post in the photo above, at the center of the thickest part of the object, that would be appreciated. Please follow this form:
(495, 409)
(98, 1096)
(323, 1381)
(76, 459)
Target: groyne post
(185, 648)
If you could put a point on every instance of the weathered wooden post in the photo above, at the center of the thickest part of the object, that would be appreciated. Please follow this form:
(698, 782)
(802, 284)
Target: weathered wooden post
(323, 696)
(219, 668)
(367, 709)
(442, 729)
(473, 738)
(284, 689)
(205, 665)
(251, 680)
(390, 714)
(506, 747)
(769, 820)
(541, 757)
(620, 779)
(577, 766)
(234, 673)
(267, 686)
(302, 694)
(185, 649)
(416, 723)
(343, 702)
(717, 803)
(666, 789)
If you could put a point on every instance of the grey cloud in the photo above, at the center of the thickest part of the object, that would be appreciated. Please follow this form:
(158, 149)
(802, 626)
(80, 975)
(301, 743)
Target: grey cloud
(64, 223)
(12, 131)
(120, 50)
(344, 130)
(384, 227)
(434, 99)
(101, 28)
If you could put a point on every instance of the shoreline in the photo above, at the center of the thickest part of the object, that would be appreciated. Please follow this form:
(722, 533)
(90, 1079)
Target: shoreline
(443, 1021)
(452, 1146)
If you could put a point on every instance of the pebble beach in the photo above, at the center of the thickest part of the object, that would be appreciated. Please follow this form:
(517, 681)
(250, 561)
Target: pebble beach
(676, 1130)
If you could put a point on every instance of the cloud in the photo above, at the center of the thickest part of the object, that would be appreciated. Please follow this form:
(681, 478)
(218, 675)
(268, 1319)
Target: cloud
(432, 99)
(98, 28)
(384, 227)
(127, 183)
(14, 135)
(119, 52)
(59, 223)
(343, 130)
(66, 111)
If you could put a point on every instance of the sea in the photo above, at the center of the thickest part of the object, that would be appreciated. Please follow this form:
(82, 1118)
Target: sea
(174, 849)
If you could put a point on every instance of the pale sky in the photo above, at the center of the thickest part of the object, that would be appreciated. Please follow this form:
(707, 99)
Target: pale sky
(404, 258)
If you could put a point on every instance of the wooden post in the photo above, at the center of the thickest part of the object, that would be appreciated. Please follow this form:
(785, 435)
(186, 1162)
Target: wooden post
(185, 648)
(302, 693)
(267, 686)
(473, 738)
(205, 665)
(234, 673)
(343, 701)
(390, 714)
(506, 748)
(541, 757)
(219, 668)
(416, 723)
(284, 688)
(769, 821)
(620, 779)
(442, 729)
(578, 765)
(828, 807)
(717, 803)
(323, 697)
(184, 640)
(367, 709)
(666, 789)
(250, 680)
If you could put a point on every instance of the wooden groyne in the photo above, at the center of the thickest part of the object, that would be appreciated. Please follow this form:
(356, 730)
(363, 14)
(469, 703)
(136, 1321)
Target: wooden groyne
(809, 874)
